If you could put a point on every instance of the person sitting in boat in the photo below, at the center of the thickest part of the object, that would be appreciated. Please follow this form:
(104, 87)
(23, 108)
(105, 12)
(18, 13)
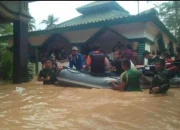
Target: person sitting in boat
(62, 54)
(128, 55)
(151, 60)
(116, 63)
(136, 59)
(76, 59)
(160, 81)
(47, 74)
(54, 65)
(167, 58)
(117, 46)
(129, 78)
(97, 61)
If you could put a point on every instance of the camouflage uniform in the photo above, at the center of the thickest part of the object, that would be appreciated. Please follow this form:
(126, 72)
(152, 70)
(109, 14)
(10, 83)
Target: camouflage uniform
(160, 80)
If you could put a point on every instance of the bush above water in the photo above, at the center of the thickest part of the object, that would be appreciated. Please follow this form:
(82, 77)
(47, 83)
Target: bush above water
(6, 64)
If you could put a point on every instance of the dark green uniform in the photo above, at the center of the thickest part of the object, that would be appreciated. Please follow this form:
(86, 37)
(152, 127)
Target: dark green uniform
(161, 80)
(152, 62)
(48, 72)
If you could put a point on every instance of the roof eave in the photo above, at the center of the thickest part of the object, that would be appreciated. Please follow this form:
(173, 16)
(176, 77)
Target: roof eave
(131, 19)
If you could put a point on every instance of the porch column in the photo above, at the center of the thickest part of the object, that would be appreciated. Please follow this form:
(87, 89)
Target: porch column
(20, 51)
(37, 57)
(147, 48)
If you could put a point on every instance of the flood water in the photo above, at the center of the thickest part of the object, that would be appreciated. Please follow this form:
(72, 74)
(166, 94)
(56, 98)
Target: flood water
(41, 107)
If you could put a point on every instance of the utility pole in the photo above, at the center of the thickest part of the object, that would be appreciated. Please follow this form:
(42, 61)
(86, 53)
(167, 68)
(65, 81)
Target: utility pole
(138, 6)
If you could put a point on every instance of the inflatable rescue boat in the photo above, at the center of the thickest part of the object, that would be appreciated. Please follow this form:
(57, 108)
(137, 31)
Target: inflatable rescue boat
(74, 78)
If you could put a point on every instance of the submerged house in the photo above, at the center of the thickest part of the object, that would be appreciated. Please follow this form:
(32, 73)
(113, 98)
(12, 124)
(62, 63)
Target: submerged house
(105, 23)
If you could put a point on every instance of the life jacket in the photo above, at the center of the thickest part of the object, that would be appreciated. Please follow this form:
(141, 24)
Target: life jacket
(97, 62)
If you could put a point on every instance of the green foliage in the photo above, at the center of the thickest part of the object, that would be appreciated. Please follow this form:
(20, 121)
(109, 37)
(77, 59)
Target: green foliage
(6, 29)
(169, 13)
(31, 25)
(31, 71)
(6, 64)
(50, 21)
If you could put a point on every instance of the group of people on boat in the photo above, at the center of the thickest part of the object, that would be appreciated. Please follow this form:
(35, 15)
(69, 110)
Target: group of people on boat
(124, 65)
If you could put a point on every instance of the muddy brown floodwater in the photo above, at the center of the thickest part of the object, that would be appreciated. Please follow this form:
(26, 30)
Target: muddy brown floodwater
(49, 107)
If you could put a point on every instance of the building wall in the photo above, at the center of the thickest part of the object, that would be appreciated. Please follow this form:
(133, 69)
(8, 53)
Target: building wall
(81, 35)
(153, 48)
(33, 40)
(16, 6)
(108, 40)
(135, 45)
(150, 31)
(59, 42)
(130, 31)
(166, 39)
(38, 40)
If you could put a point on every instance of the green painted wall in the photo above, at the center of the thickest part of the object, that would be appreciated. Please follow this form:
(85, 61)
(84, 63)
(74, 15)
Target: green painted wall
(141, 49)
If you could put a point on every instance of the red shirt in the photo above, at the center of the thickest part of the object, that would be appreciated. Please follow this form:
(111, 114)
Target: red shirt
(170, 66)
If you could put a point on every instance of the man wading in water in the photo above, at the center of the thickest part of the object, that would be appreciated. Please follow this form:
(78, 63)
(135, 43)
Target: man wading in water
(160, 82)
(129, 79)
(47, 74)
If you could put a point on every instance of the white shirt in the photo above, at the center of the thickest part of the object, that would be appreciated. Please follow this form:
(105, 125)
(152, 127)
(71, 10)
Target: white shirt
(132, 65)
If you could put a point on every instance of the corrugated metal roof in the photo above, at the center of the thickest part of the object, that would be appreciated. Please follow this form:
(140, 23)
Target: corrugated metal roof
(92, 18)
(96, 3)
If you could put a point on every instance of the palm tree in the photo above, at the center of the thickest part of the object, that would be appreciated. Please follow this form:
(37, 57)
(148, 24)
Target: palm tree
(31, 25)
(51, 20)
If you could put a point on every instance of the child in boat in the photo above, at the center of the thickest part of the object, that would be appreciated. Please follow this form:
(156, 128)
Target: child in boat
(160, 81)
(129, 79)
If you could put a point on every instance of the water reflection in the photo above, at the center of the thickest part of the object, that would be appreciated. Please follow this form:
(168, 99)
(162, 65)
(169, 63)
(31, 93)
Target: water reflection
(50, 107)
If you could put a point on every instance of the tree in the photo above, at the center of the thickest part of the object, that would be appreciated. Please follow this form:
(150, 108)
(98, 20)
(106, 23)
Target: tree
(51, 20)
(6, 29)
(31, 25)
(169, 13)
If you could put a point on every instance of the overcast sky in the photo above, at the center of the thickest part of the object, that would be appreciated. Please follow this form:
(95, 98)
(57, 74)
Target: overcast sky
(65, 10)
